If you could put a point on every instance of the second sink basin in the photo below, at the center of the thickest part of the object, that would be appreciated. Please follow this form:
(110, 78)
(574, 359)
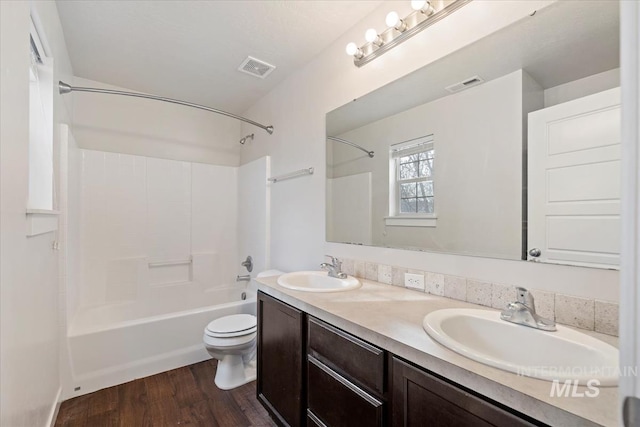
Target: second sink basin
(317, 281)
(561, 355)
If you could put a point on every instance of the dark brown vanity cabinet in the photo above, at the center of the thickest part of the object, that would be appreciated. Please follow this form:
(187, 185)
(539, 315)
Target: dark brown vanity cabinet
(421, 399)
(346, 378)
(281, 357)
(313, 374)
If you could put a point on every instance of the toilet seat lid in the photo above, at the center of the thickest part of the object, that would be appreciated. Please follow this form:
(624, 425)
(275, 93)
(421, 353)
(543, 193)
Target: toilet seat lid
(232, 326)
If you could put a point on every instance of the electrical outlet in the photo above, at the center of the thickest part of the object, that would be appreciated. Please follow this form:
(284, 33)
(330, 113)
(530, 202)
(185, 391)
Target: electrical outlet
(414, 281)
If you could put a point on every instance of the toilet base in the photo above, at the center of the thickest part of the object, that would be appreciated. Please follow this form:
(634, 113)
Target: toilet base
(232, 372)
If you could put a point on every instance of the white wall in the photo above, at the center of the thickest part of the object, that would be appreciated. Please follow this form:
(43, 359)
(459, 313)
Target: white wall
(138, 210)
(582, 87)
(29, 341)
(144, 127)
(297, 110)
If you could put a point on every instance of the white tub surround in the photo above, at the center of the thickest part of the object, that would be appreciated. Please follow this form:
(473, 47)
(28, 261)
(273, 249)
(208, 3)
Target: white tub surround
(391, 317)
(146, 223)
(156, 254)
(110, 345)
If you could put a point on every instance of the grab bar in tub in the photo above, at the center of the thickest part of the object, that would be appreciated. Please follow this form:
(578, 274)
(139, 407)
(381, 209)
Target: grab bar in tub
(171, 262)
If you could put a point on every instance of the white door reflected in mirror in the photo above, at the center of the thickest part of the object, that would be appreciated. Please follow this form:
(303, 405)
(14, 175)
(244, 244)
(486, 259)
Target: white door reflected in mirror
(574, 182)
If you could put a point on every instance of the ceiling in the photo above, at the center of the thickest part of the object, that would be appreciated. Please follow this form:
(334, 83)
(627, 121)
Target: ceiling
(191, 50)
(563, 42)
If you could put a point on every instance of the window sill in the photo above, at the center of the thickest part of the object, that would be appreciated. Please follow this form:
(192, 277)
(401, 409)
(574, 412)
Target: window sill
(411, 221)
(41, 221)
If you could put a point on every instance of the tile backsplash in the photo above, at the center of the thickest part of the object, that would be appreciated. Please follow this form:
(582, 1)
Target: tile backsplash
(579, 312)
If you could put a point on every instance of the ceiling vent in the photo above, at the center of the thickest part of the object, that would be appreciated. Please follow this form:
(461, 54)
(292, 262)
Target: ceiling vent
(465, 84)
(256, 67)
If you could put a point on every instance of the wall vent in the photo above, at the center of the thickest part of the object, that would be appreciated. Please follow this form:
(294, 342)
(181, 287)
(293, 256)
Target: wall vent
(465, 84)
(256, 67)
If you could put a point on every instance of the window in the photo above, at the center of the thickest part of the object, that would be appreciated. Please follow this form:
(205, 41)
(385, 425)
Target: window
(412, 182)
(41, 218)
(40, 126)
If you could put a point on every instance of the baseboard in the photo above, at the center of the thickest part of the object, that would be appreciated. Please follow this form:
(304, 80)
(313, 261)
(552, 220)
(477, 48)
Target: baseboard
(53, 414)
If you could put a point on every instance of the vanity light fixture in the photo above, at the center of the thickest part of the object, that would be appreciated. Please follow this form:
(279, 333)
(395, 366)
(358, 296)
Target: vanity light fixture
(398, 30)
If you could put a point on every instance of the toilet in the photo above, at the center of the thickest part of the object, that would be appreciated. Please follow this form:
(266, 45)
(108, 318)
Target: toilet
(232, 340)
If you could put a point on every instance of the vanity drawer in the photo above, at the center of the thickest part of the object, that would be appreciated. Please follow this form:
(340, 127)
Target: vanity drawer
(348, 355)
(336, 401)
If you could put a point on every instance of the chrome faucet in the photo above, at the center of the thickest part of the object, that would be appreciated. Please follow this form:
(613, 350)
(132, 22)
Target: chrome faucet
(335, 268)
(523, 312)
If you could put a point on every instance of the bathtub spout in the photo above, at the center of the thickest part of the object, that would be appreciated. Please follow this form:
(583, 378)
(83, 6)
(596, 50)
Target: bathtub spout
(244, 278)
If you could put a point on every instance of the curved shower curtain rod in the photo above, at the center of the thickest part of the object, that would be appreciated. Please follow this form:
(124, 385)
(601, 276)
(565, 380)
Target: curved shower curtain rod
(65, 88)
(353, 144)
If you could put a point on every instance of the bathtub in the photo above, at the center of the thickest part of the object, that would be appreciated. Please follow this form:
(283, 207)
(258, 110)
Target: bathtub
(116, 343)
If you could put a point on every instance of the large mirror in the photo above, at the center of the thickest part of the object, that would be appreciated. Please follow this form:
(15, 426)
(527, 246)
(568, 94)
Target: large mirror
(508, 148)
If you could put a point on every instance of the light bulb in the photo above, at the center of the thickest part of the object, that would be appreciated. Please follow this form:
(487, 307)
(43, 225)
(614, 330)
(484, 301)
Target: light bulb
(423, 6)
(393, 19)
(418, 4)
(371, 35)
(353, 50)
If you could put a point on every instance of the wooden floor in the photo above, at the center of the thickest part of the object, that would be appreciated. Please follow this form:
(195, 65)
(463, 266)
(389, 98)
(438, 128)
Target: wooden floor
(184, 396)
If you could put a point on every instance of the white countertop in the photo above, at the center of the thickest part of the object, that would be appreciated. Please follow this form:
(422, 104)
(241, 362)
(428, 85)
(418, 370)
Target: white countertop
(391, 318)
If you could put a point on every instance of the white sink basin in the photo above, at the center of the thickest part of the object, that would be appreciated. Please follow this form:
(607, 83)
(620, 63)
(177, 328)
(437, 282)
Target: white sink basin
(317, 281)
(561, 355)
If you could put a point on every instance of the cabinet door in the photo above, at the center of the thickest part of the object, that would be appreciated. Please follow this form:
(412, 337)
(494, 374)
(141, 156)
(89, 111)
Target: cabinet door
(280, 360)
(421, 399)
